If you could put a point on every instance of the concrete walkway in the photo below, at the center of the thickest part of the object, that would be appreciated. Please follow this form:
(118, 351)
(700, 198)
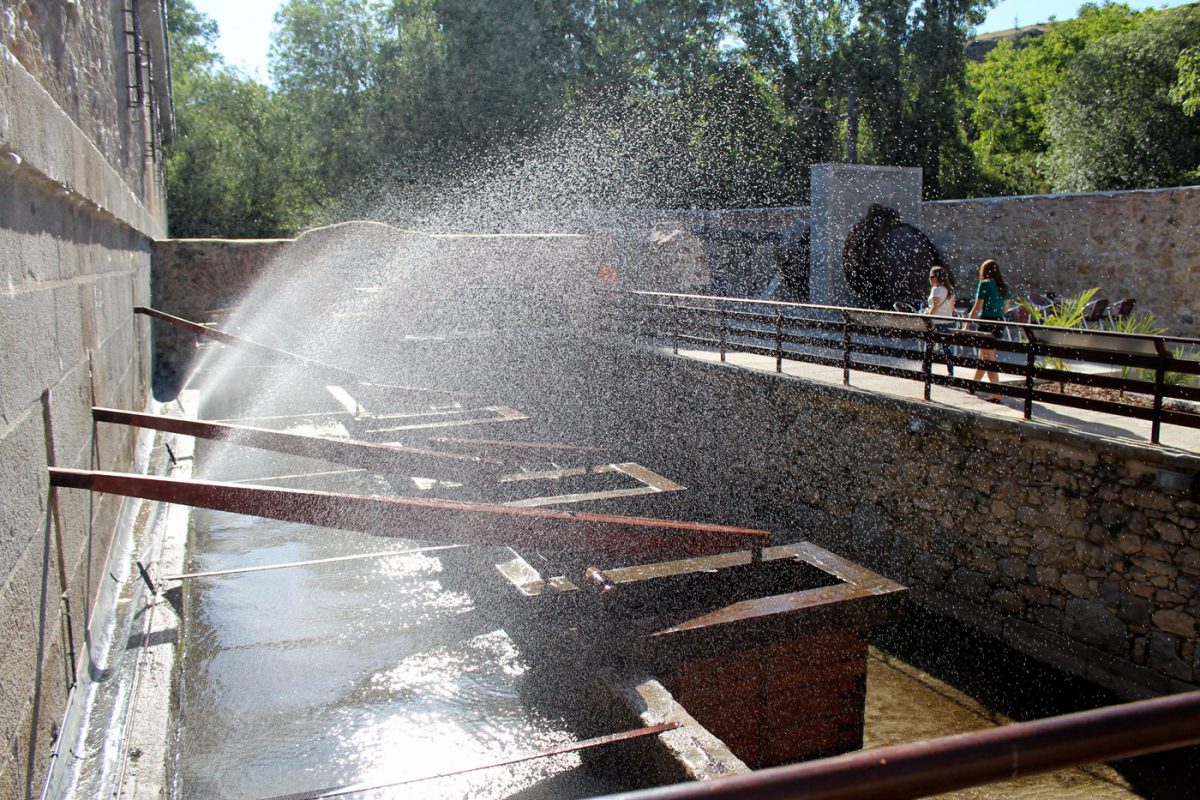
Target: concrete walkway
(1173, 438)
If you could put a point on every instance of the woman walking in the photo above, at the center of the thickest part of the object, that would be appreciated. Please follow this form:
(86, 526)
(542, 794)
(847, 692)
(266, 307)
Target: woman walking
(941, 304)
(991, 301)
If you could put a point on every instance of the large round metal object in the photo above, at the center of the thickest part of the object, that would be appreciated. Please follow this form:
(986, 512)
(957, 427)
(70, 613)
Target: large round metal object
(886, 260)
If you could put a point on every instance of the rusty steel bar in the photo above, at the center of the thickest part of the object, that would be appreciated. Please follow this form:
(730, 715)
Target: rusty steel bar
(366, 455)
(233, 339)
(433, 520)
(941, 765)
(569, 747)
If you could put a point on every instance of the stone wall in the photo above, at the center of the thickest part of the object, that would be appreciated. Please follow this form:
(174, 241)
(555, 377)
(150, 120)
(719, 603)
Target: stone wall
(1140, 244)
(80, 201)
(1081, 551)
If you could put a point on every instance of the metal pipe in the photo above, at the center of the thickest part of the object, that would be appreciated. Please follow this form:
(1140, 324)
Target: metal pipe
(569, 747)
(366, 455)
(920, 769)
(233, 339)
(433, 520)
(219, 573)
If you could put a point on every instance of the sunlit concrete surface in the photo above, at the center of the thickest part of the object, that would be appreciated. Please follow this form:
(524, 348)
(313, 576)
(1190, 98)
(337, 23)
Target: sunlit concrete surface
(1172, 437)
(895, 689)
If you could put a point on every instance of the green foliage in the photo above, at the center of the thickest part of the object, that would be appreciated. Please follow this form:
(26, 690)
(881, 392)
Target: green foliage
(1143, 323)
(1011, 91)
(1171, 378)
(801, 52)
(1112, 122)
(193, 36)
(694, 102)
(235, 168)
(1066, 313)
(1186, 90)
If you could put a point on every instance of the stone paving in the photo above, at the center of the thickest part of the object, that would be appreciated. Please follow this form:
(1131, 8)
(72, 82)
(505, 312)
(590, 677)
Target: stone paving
(1173, 437)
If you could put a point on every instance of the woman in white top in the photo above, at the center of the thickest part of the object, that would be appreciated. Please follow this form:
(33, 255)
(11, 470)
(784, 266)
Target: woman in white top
(941, 304)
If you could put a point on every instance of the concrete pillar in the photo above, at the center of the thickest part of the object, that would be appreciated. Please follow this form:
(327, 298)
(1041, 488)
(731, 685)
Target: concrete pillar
(841, 195)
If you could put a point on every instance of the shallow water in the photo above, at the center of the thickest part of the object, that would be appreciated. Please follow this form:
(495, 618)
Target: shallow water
(906, 704)
(364, 671)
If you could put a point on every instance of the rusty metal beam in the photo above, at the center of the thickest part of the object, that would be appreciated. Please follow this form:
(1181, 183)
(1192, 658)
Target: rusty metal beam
(313, 364)
(949, 763)
(241, 341)
(596, 535)
(366, 455)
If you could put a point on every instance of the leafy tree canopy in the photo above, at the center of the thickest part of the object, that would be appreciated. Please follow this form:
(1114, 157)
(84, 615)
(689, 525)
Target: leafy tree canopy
(234, 168)
(1011, 90)
(1113, 122)
(663, 102)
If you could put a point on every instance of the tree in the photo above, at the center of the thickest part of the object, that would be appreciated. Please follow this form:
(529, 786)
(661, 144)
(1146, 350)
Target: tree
(235, 168)
(801, 50)
(1112, 122)
(935, 82)
(1186, 91)
(324, 59)
(1010, 92)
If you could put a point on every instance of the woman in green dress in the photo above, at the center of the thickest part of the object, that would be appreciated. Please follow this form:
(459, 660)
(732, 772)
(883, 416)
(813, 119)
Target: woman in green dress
(991, 301)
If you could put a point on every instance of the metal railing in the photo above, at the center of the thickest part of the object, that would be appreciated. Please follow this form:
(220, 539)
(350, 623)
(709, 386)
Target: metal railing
(941, 765)
(908, 346)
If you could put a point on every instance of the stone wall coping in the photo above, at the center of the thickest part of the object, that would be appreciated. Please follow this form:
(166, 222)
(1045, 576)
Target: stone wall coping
(225, 242)
(1000, 199)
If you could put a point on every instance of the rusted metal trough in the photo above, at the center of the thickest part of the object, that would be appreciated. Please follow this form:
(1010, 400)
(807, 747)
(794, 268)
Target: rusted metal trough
(766, 649)
(764, 644)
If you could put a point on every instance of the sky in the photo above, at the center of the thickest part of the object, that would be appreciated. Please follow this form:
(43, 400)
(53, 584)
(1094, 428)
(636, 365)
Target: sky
(246, 24)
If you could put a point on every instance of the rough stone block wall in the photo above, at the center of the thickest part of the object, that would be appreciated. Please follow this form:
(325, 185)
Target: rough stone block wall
(1139, 244)
(79, 204)
(75, 51)
(1081, 551)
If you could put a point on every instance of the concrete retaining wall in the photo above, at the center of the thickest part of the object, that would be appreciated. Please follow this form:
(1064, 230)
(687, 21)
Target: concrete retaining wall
(79, 202)
(191, 278)
(1080, 551)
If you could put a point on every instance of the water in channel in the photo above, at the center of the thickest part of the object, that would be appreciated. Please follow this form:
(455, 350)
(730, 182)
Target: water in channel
(364, 671)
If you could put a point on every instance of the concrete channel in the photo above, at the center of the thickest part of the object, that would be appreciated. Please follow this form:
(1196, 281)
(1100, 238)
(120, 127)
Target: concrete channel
(135, 741)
